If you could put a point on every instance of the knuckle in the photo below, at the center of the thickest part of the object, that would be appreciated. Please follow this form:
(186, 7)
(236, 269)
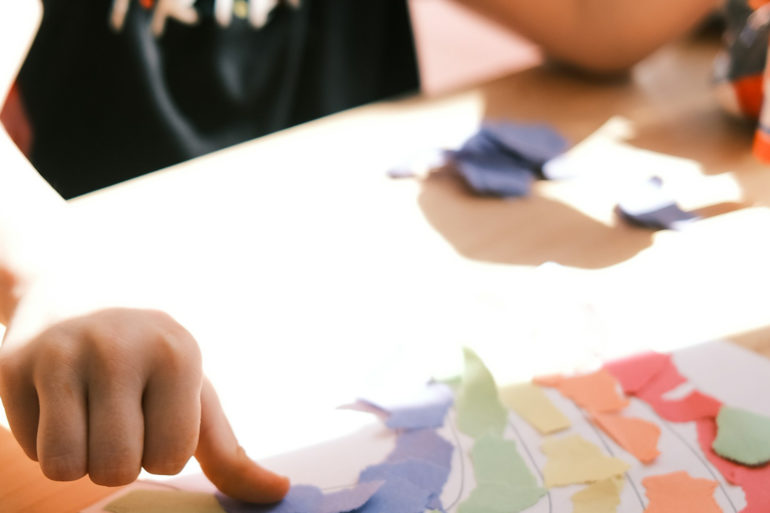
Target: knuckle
(165, 465)
(63, 467)
(177, 351)
(114, 475)
(169, 456)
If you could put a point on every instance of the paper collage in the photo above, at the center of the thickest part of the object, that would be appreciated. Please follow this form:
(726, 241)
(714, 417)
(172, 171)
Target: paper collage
(636, 456)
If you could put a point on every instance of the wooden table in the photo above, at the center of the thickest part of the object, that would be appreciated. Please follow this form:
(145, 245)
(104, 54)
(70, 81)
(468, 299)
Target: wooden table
(307, 275)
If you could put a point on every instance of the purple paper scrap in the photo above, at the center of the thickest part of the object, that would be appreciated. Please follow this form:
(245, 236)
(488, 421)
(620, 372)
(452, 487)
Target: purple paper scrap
(397, 496)
(421, 473)
(308, 499)
(535, 143)
(422, 444)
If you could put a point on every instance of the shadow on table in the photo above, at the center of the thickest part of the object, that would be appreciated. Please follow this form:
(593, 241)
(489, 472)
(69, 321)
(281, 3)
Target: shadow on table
(524, 231)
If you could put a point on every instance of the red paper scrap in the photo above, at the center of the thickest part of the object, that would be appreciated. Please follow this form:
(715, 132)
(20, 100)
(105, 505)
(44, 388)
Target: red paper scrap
(755, 481)
(636, 371)
(656, 376)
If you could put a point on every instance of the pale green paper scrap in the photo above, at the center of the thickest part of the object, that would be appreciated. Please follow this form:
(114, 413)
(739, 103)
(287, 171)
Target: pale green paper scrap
(164, 501)
(496, 460)
(742, 436)
(499, 498)
(504, 482)
(479, 410)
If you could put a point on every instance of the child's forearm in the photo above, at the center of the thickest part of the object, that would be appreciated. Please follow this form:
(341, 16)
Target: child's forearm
(598, 35)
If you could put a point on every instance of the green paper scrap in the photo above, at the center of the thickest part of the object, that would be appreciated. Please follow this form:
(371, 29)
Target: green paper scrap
(574, 460)
(496, 460)
(742, 436)
(534, 406)
(599, 497)
(164, 501)
(504, 482)
(479, 410)
(499, 498)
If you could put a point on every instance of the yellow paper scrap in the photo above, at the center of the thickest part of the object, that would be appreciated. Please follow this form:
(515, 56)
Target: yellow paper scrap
(164, 501)
(534, 406)
(574, 460)
(599, 497)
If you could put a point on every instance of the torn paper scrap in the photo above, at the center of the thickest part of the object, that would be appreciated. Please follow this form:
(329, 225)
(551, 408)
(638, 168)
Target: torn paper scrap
(349, 499)
(394, 495)
(425, 407)
(308, 499)
(635, 372)
(424, 444)
(535, 143)
(648, 205)
(479, 410)
(496, 460)
(304, 498)
(678, 492)
(420, 473)
(600, 497)
(503, 481)
(422, 458)
(694, 406)
(504, 158)
(163, 501)
(637, 436)
(743, 436)
(492, 174)
(594, 392)
(574, 460)
(500, 498)
(534, 406)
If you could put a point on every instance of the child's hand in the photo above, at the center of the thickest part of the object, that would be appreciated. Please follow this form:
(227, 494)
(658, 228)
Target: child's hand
(110, 392)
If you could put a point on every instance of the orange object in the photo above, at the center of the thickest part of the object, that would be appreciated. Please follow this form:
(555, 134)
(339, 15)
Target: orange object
(24, 488)
(749, 92)
(756, 4)
(147, 4)
(637, 436)
(678, 492)
(762, 146)
(596, 392)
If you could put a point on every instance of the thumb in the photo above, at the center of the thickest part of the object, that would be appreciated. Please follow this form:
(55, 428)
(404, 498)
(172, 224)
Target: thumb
(225, 462)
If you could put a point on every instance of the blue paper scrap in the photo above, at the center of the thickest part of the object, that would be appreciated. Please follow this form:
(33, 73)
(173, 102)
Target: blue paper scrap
(649, 206)
(309, 499)
(420, 473)
(536, 143)
(410, 480)
(495, 174)
(425, 408)
(504, 158)
(397, 496)
(424, 444)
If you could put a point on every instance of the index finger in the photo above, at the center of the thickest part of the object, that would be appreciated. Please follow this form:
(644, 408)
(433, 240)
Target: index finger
(225, 462)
